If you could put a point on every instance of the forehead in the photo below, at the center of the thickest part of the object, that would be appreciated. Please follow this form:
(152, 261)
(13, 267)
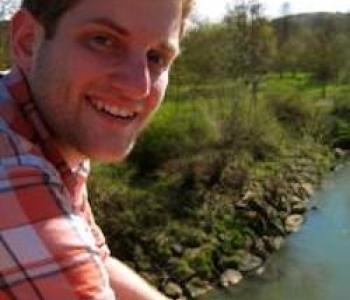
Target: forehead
(143, 19)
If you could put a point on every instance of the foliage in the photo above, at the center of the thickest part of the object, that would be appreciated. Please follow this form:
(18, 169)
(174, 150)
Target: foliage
(169, 210)
(341, 114)
(4, 46)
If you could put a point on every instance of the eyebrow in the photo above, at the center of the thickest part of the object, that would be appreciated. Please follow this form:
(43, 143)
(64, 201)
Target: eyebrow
(111, 25)
(167, 46)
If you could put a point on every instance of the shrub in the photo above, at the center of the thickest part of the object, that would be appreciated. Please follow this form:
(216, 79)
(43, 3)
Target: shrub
(341, 120)
(180, 130)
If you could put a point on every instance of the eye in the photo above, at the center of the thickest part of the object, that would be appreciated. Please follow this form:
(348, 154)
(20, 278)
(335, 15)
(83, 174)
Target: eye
(102, 41)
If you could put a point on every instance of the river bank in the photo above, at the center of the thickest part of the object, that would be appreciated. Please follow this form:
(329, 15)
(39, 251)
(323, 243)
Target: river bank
(216, 185)
(270, 209)
(213, 236)
(313, 264)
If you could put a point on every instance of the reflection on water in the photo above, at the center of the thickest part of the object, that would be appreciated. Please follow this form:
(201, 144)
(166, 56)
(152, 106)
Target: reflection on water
(315, 263)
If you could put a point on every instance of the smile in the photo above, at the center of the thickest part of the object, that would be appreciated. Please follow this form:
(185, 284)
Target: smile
(112, 110)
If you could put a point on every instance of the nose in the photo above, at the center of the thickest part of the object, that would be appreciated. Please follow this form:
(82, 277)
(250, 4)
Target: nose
(132, 78)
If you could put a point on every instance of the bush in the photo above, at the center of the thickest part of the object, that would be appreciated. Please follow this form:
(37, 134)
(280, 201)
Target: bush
(179, 130)
(300, 116)
(341, 120)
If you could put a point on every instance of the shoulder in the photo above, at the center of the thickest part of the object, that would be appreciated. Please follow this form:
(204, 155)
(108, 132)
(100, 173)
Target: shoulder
(19, 157)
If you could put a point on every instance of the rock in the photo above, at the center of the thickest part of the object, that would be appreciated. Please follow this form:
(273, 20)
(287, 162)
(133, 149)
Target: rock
(284, 204)
(248, 262)
(283, 215)
(241, 204)
(149, 277)
(229, 262)
(299, 208)
(142, 260)
(310, 177)
(259, 248)
(173, 290)
(230, 277)
(339, 153)
(264, 208)
(295, 200)
(249, 195)
(249, 242)
(276, 226)
(260, 271)
(274, 243)
(293, 223)
(177, 249)
(242, 260)
(250, 214)
(180, 268)
(200, 260)
(295, 188)
(308, 189)
(197, 287)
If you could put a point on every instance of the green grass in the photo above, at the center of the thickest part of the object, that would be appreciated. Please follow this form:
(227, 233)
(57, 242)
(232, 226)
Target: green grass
(301, 84)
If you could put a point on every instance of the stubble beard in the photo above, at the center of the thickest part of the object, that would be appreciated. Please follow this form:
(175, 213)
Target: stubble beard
(47, 83)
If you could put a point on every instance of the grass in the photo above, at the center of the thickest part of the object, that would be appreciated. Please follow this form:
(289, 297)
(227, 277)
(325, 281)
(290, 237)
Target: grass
(282, 114)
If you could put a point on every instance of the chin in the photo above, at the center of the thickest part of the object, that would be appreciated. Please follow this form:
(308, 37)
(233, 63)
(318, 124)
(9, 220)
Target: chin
(111, 156)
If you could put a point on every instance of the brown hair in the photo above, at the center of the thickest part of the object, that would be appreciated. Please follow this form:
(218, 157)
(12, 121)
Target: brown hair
(48, 13)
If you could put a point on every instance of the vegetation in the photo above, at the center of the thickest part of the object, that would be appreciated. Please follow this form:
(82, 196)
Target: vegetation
(4, 47)
(177, 192)
(235, 117)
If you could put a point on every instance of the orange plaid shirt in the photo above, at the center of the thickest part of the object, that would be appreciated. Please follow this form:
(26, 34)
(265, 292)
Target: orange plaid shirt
(50, 246)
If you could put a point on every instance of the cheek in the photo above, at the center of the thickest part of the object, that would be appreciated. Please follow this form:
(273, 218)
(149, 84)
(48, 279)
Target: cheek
(159, 88)
(82, 66)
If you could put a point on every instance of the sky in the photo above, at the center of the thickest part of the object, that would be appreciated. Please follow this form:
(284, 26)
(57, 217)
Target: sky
(214, 9)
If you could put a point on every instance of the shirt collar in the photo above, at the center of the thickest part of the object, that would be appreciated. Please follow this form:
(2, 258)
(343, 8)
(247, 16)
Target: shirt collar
(33, 127)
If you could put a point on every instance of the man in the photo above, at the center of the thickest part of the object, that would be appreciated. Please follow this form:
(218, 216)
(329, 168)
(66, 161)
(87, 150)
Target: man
(86, 78)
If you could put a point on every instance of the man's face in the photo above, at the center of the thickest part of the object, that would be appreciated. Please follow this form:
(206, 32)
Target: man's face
(98, 81)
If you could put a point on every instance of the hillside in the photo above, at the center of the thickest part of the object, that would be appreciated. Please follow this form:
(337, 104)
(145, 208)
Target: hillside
(340, 22)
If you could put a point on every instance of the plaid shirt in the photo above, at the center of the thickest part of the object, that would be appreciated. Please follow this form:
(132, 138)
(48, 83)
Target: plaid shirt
(50, 246)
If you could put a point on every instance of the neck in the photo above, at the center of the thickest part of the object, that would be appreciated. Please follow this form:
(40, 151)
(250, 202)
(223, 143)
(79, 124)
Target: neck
(73, 157)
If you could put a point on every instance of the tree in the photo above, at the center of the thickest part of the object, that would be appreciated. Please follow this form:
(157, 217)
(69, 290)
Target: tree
(204, 53)
(283, 33)
(6, 8)
(252, 42)
(323, 53)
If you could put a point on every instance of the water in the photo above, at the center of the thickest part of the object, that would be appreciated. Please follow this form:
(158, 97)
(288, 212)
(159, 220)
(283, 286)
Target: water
(315, 262)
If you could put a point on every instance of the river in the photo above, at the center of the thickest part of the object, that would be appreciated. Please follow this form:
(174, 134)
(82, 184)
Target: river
(314, 264)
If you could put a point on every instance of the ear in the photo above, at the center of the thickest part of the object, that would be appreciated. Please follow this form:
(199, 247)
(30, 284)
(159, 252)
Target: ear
(26, 35)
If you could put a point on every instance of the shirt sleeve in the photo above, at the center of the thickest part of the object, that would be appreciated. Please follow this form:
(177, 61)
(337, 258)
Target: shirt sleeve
(100, 240)
(47, 251)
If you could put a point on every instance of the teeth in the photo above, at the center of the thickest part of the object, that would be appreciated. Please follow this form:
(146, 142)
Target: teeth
(99, 105)
(124, 113)
(113, 110)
